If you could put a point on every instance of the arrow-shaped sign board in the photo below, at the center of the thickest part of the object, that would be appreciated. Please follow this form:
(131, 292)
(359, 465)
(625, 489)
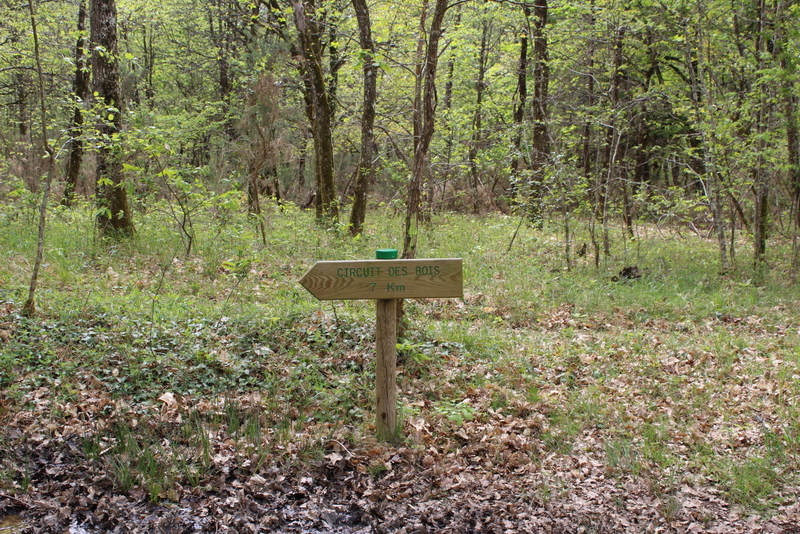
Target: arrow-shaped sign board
(385, 279)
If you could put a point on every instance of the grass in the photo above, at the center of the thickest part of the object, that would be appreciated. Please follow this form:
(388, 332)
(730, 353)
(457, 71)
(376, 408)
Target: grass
(679, 371)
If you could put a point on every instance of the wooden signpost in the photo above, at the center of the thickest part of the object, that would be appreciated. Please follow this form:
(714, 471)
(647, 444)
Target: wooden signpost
(385, 279)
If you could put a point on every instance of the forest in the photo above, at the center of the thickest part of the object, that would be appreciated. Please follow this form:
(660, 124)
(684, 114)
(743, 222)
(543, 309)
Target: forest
(620, 179)
(680, 112)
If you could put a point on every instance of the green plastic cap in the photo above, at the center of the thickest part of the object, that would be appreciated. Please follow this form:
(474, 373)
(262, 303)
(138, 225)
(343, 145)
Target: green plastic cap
(386, 254)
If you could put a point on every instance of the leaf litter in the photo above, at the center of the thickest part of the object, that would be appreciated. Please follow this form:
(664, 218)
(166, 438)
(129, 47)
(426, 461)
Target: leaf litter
(592, 425)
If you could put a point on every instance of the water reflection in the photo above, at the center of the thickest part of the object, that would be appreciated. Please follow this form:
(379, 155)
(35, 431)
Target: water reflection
(11, 525)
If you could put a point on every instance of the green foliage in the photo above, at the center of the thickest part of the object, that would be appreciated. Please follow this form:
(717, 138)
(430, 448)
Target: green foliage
(456, 412)
(209, 101)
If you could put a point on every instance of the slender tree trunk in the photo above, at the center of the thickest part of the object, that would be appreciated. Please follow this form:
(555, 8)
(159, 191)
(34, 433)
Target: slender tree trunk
(221, 37)
(477, 119)
(613, 139)
(308, 107)
(149, 65)
(788, 99)
(540, 141)
(518, 159)
(413, 195)
(793, 146)
(627, 204)
(335, 60)
(706, 126)
(302, 156)
(425, 130)
(448, 141)
(80, 89)
(446, 116)
(760, 173)
(21, 83)
(366, 168)
(612, 149)
(424, 118)
(641, 173)
(254, 202)
(29, 308)
(416, 121)
(761, 218)
(115, 215)
(587, 151)
(567, 235)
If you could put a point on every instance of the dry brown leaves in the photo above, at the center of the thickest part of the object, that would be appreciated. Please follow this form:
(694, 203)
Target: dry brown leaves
(489, 474)
(492, 470)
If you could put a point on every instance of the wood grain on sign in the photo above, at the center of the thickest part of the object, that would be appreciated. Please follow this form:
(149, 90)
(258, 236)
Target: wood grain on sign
(385, 279)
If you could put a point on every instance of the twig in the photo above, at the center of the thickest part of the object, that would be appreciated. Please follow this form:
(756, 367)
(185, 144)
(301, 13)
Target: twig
(336, 316)
(27, 504)
(339, 443)
(164, 269)
(10, 498)
(513, 237)
(227, 299)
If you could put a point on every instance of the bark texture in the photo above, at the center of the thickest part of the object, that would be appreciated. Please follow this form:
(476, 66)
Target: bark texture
(114, 218)
(80, 89)
(423, 129)
(366, 169)
(310, 29)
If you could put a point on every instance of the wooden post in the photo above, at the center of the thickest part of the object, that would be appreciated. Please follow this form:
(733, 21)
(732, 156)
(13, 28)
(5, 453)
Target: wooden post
(386, 362)
(386, 369)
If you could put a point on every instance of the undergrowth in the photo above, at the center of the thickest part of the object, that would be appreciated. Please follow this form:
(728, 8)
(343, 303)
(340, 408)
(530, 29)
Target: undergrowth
(220, 360)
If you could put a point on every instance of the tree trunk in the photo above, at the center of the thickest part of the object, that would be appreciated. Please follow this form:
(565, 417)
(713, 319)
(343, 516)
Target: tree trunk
(254, 201)
(518, 160)
(366, 169)
(416, 120)
(627, 204)
(413, 215)
(114, 218)
(222, 39)
(335, 60)
(425, 127)
(587, 149)
(540, 142)
(788, 99)
(477, 119)
(29, 308)
(447, 107)
(80, 89)
(21, 83)
(706, 126)
(760, 173)
(761, 218)
(310, 30)
(793, 145)
(424, 117)
(613, 139)
(149, 65)
(302, 156)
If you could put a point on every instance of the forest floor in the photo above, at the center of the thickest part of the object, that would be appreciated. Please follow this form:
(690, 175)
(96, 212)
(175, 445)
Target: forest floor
(211, 394)
(485, 483)
(487, 466)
